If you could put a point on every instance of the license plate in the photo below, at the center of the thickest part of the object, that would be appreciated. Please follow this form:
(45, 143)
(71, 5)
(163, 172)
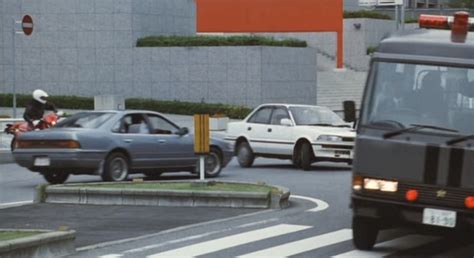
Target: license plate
(42, 162)
(442, 218)
(338, 152)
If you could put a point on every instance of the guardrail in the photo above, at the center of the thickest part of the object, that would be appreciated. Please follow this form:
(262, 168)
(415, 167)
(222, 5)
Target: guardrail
(5, 139)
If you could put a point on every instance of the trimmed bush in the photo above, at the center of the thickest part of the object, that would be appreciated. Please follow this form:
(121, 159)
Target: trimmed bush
(366, 14)
(188, 108)
(371, 50)
(195, 41)
(170, 107)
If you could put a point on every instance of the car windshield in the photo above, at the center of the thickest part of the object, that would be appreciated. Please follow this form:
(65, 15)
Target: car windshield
(307, 115)
(403, 95)
(85, 120)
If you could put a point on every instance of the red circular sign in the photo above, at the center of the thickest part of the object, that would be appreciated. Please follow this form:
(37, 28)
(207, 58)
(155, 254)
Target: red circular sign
(27, 25)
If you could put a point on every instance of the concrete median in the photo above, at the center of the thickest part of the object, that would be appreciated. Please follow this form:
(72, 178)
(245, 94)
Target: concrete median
(95, 194)
(44, 244)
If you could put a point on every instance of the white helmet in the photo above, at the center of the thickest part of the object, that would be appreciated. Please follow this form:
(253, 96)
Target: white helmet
(40, 96)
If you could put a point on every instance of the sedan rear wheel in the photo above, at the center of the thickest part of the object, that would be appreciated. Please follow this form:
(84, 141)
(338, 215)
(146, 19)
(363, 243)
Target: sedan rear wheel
(245, 155)
(116, 168)
(213, 163)
(55, 177)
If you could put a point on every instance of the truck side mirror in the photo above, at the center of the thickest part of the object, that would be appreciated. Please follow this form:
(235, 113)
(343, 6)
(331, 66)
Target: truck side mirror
(349, 111)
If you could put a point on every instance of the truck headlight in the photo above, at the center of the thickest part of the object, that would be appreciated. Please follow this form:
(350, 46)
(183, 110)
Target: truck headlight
(380, 185)
(329, 138)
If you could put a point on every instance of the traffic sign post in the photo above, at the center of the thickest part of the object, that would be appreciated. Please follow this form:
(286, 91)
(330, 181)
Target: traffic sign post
(201, 140)
(26, 29)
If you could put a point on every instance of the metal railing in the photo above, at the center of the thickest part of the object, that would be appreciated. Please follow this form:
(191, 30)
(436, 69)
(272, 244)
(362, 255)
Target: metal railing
(5, 139)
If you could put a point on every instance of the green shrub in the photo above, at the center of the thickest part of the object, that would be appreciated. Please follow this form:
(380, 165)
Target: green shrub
(411, 20)
(171, 107)
(366, 14)
(193, 41)
(188, 108)
(371, 50)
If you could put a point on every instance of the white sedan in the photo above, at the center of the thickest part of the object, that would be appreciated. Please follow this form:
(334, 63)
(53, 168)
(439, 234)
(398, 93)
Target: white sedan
(301, 133)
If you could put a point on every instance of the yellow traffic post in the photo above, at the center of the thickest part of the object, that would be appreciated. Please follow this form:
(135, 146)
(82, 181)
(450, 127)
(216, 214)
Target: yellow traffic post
(201, 140)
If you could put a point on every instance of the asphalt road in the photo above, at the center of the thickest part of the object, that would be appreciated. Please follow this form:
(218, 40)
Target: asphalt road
(316, 225)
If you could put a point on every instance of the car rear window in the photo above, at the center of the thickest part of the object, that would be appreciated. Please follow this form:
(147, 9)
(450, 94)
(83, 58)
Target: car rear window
(85, 120)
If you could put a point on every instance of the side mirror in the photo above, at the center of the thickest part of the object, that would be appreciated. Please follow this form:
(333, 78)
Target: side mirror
(286, 122)
(349, 111)
(182, 131)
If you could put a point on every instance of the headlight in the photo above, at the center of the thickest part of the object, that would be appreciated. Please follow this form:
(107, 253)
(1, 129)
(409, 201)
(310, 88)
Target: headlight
(380, 185)
(329, 138)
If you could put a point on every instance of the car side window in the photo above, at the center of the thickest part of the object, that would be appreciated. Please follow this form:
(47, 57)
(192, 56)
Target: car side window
(262, 116)
(278, 114)
(132, 124)
(161, 126)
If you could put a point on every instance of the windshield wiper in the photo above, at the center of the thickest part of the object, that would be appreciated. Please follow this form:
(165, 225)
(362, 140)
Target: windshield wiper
(416, 127)
(460, 139)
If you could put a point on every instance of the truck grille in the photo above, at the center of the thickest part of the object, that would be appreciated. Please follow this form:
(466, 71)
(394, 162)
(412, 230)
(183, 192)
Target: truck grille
(428, 194)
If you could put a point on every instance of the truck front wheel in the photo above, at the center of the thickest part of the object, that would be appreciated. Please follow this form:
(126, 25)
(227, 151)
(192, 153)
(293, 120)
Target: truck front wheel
(364, 232)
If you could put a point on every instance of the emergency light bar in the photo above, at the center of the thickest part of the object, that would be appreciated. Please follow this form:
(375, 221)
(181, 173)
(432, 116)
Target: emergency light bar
(460, 24)
(445, 22)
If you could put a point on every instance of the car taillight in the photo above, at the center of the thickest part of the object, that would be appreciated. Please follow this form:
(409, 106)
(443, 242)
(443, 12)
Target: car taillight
(53, 144)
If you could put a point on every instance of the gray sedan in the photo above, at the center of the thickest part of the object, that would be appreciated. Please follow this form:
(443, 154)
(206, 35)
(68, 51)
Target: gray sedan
(114, 144)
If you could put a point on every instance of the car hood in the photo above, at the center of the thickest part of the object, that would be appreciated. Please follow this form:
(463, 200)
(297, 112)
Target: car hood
(327, 130)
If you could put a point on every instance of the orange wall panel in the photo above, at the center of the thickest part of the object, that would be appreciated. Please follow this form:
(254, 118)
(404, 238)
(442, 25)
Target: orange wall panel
(272, 16)
(269, 15)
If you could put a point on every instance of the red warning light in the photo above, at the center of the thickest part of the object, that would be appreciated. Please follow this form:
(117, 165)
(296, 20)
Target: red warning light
(460, 27)
(411, 195)
(434, 22)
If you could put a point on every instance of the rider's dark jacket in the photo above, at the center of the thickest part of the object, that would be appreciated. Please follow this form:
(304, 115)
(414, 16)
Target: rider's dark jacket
(35, 110)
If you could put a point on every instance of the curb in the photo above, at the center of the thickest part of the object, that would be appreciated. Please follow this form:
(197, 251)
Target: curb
(47, 244)
(175, 198)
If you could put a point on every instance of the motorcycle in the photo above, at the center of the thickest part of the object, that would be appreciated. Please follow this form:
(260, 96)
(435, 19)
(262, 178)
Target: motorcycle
(16, 129)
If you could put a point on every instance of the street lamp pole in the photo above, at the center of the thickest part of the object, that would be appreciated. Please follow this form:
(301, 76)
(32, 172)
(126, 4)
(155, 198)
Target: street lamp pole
(14, 66)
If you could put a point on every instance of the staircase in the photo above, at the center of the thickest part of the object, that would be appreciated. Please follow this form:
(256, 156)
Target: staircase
(336, 86)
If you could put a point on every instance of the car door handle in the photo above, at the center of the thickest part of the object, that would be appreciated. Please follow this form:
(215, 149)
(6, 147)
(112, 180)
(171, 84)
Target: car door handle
(162, 141)
(128, 140)
(269, 130)
(249, 128)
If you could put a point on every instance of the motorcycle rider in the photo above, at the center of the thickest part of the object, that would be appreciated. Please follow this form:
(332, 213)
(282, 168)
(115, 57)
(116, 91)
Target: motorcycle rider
(35, 108)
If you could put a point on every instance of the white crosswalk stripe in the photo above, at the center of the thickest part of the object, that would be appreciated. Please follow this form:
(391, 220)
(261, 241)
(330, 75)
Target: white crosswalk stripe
(231, 241)
(391, 247)
(303, 245)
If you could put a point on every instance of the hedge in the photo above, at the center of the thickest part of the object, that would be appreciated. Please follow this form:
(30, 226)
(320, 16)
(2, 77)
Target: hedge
(366, 14)
(170, 107)
(193, 41)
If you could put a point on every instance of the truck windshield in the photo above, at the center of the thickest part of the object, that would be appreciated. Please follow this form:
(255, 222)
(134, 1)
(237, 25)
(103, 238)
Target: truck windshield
(402, 95)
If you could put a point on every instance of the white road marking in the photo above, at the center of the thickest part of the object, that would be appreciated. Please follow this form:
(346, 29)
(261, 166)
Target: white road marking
(128, 240)
(303, 245)
(14, 204)
(320, 204)
(390, 247)
(194, 237)
(111, 256)
(231, 241)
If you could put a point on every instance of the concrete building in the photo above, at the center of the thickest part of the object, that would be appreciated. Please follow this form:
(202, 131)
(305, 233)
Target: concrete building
(87, 48)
